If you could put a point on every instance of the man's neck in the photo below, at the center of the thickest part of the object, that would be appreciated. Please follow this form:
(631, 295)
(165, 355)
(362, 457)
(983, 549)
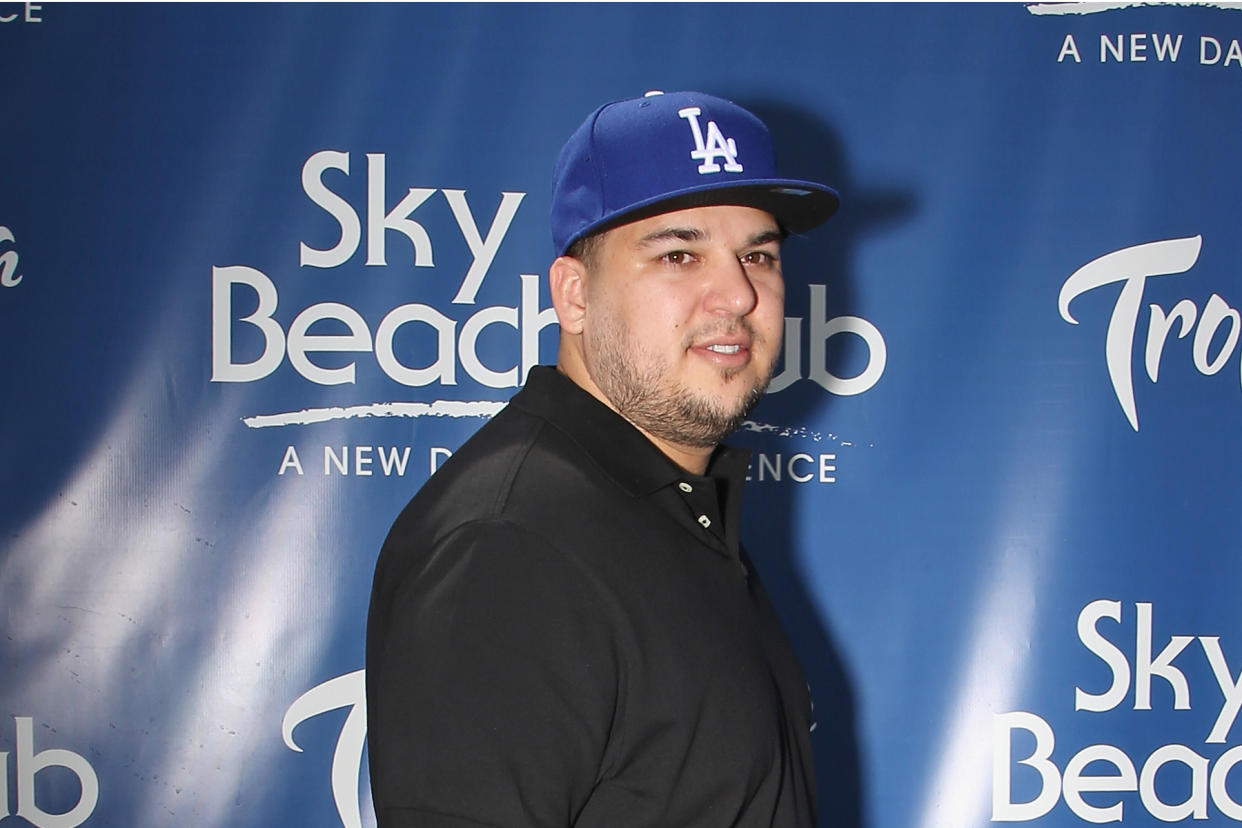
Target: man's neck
(693, 459)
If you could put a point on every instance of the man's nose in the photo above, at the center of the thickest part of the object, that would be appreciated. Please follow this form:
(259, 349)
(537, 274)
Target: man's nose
(729, 289)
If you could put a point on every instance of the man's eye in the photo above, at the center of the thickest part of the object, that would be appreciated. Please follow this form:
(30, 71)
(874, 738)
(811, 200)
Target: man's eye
(758, 257)
(676, 257)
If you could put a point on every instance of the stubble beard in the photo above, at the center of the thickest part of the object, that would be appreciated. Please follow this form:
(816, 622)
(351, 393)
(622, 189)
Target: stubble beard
(639, 386)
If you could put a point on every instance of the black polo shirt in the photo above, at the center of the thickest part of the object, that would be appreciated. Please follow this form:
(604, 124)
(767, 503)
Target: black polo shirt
(564, 631)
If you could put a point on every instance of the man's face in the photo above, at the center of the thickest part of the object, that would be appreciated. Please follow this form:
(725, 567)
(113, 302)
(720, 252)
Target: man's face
(684, 316)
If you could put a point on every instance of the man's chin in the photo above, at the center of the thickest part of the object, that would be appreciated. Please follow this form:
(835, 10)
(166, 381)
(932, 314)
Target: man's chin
(731, 410)
(736, 393)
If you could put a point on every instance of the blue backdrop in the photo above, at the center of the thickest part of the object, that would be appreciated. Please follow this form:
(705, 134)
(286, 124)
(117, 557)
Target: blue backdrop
(262, 267)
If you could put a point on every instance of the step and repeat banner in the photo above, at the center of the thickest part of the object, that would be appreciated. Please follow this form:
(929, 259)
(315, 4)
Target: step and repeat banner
(264, 268)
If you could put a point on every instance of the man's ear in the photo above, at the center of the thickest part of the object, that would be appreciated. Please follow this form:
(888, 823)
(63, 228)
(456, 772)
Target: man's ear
(567, 284)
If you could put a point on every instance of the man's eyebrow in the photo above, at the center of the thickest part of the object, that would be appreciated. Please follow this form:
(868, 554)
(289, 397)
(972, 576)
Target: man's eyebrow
(694, 234)
(765, 237)
(664, 234)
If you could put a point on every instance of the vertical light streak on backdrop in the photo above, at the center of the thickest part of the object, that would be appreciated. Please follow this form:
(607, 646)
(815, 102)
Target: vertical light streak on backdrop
(1022, 552)
(126, 549)
(143, 556)
(261, 621)
(958, 793)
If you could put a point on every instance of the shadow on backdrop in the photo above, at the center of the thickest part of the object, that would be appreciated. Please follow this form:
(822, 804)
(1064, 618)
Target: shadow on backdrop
(806, 147)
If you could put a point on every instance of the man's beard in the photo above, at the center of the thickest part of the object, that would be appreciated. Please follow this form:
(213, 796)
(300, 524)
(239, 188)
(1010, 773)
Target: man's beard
(639, 387)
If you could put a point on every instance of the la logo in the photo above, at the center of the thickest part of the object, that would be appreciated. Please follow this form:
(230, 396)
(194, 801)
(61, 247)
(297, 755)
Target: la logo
(715, 147)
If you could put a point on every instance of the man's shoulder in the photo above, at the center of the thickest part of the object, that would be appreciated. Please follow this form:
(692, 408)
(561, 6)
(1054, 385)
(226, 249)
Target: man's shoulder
(518, 492)
(491, 476)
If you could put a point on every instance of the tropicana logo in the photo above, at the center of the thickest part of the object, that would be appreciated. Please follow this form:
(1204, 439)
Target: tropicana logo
(1131, 267)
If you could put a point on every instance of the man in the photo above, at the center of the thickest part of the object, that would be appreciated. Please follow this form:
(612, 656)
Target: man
(564, 629)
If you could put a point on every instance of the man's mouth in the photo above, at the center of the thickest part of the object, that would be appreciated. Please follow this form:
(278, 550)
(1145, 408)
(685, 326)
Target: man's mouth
(724, 349)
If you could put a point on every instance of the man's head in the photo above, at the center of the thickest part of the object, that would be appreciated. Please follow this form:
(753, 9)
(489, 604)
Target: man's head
(667, 216)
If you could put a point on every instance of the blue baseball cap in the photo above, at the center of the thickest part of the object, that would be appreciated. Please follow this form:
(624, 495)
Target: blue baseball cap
(661, 152)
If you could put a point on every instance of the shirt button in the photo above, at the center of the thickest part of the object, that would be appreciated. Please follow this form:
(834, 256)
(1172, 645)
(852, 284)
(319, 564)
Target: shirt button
(705, 521)
(685, 487)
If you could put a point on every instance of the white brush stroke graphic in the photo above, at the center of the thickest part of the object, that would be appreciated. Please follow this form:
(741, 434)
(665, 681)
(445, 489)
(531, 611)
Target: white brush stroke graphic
(1096, 7)
(797, 431)
(484, 409)
(438, 408)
